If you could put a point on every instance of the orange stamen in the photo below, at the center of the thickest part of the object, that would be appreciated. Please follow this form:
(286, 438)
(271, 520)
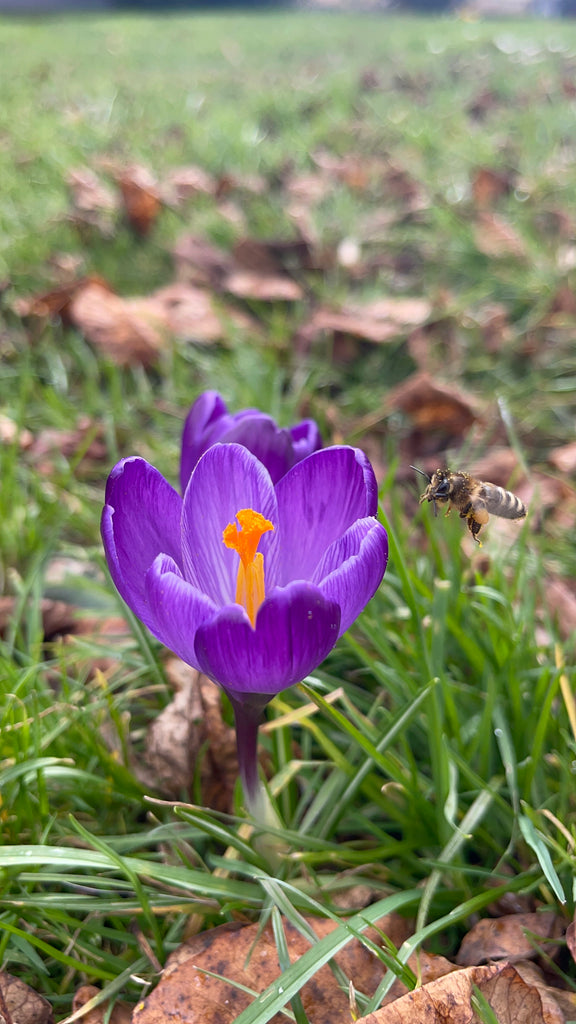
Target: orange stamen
(250, 591)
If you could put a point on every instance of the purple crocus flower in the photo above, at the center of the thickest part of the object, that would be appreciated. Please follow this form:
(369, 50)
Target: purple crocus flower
(277, 448)
(248, 581)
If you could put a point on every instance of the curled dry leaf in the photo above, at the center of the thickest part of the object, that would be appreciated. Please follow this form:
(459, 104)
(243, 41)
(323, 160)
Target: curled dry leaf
(121, 1012)
(94, 204)
(56, 302)
(191, 726)
(564, 458)
(552, 998)
(553, 500)
(376, 322)
(450, 999)
(187, 995)
(431, 405)
(187, 312)
(499, 466)
(58, 617)
(201, 263)
(496, 238)
(509, 937)
(183, 183)
(483, 103)
(493, 320)
(489, 185)
(427, 967)
(247, 284)
(255, 184)
(23, 1004)
(141, 198)
(128, 331)
(571, 939)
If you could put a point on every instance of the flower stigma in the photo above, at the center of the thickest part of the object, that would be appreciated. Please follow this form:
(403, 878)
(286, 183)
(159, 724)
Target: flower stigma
(250, 590)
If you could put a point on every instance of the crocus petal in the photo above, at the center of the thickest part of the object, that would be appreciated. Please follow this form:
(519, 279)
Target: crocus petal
(296, 627)
(208, 410)
(227, 478)
(271, 445)
(176, 608)
(318, 500)
(306, 439)
(140, 520)
(352, 569)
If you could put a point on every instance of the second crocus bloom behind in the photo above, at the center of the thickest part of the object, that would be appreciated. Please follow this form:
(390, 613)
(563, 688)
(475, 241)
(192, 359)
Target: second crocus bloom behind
(277, 448)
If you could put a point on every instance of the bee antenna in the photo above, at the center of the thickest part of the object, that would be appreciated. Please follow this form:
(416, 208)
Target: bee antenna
(422, 473)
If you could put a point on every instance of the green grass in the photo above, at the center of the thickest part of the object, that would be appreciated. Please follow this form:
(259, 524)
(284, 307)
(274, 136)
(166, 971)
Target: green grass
(445, 767)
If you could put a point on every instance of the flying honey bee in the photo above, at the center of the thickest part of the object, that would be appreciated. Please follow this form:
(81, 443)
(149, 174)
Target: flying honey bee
(474, 499)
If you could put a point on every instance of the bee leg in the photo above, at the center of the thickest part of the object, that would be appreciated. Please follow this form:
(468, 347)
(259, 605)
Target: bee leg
(448, 510)
(474, 526)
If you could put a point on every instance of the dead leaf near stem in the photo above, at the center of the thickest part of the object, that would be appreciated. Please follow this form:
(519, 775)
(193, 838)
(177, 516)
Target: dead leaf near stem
(55, 303)
(23, 1004)
(449, 999)
(510, 936)
(190, 734)
(121, 1012)
(374, 323)
(94, 204)
(188, 995)
(489, 185)
(440, 415)
(496, 238)
(141, 198)
(564, 458)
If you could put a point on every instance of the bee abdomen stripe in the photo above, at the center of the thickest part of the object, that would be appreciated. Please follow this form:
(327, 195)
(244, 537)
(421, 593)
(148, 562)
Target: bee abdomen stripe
(503, 503)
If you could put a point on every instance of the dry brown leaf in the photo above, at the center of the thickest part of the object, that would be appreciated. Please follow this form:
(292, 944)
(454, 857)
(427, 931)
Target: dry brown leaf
(571, 939)
(496, 238)
(186, 995)
(57, 301)
(128, 331)
(121, 1011)
(499, 466)
(247, 284)
(553, 500)
(494, 323)
(427, 967)
(434, 406)
(562, 307)
(183, 183)
(506, 937)
(448, 999)
(564, 458)
(58, 617)
(376, 322)
(187, 312)
(489, 185)
(553, 999)
(482, 104)
(94, 204)
(189, 726)
(308, 189)
(354, 170)
(201, 263)
(23, 1004)
(141, 198)
(227, 183)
